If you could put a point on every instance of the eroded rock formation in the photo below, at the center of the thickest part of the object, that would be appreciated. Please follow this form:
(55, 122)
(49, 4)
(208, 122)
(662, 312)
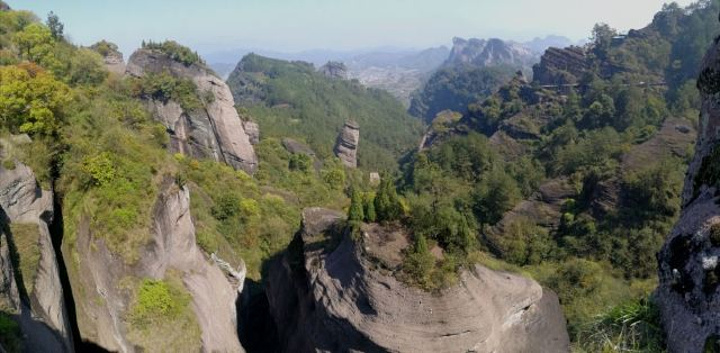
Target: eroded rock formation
(347, 144)
(688, 294)
(31, 290)
(172, 248)
(216, 131)
(561, 66)
(333, 300)
(489, 52)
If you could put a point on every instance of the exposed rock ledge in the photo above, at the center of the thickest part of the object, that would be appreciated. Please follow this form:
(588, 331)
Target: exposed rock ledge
(347, 144)
(215, 132)
(335, 302)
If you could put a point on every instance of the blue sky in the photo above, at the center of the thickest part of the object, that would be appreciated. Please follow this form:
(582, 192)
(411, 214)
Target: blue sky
(295, 25)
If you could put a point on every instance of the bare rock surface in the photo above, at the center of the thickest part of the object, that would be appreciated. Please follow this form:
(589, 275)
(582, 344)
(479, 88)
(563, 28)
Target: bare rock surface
(216, 131)
(688, 262)
(331, 300)
(42, 314)
(347, 144)
(173, 248)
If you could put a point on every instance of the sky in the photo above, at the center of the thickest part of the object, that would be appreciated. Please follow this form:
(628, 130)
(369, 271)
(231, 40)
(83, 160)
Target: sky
(211, 26)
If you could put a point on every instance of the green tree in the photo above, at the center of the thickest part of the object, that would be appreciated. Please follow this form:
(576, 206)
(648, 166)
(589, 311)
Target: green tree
(370, 214)
(387, 204)
(31, 100)
(602, 35)
(56, 27)
(356, 214)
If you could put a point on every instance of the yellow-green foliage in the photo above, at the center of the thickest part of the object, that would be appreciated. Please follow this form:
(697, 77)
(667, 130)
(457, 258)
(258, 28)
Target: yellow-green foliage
(25, 238)
(31, 100)
(111, 171)
(235, 216)
(161, 317)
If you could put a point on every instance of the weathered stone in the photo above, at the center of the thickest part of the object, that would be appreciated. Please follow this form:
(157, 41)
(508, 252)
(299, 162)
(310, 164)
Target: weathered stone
(296, 147)
(43, 317)
(252, 129)
(173, 248)
(216, 131)
(332, 300)
(347, 144)
(561, 66)
(688, 293)
(489, 52)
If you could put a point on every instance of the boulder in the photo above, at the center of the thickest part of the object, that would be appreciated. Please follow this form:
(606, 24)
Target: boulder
(252, 129)
(347, 144)
(334, 69)
(688, 293)
(215, 131)
(327, 298)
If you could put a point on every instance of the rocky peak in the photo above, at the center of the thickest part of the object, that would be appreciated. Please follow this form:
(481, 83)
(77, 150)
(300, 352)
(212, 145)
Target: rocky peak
(334, 69)
(112, 57)
(334, 299)
(4, 6)
(489, 52)
(561, 66)
(216, 131)
(689, 272)
(347, 144)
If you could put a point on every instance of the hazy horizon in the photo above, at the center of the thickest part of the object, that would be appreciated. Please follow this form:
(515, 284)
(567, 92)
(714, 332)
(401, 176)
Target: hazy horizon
(217, 26)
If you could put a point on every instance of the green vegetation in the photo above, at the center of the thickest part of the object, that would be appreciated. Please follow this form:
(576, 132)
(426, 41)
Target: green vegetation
(291, 99)
(454, 88)
(161, 316)
(176, 51)
(10, 334)
(165, 87)
(26, 238)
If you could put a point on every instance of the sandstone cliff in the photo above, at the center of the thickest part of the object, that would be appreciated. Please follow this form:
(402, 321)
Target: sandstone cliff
(103, 297)
(30, 287)
(347, 144)
(561, 66)
(216, 131)
(688, 262)
(333, 300)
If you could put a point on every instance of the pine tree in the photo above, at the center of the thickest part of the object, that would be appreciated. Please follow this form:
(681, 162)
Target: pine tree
(356, 214)
(370, 214)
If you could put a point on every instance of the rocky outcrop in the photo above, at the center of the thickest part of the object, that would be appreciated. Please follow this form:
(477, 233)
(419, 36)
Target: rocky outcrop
(326, 299)
(252, 129)
(4, 6)
(114, 62)
(347, 144)
(215, 131)
(688, 294)
(35, 297)
(334, 69)
(489, 52)
(561, 66)
(103, 301)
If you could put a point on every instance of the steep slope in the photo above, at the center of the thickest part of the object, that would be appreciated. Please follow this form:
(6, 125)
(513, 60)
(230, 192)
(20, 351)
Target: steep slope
(214, 129)
(688, 266)
(475, 69)
(291, 99)
(326, 296)
(31, 289)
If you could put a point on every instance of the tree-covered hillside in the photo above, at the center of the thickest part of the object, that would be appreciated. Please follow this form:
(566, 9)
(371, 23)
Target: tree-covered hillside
(291, 99)
(574, 185)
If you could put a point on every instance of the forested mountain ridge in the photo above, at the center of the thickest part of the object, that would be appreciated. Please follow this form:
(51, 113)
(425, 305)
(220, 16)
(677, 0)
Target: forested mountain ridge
(291, 99)
(576, 176)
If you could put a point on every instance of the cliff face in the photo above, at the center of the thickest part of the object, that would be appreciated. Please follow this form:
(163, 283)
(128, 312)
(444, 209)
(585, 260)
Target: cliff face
(30, 286)
(216, 131)
(688, 262)
(561, 66)
(334, 69)
(334, 300)
(347, 144)
(103, 299)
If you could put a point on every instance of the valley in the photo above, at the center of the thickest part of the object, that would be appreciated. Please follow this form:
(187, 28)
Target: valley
(494, 196)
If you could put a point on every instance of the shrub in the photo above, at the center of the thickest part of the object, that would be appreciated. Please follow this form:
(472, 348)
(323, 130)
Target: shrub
(10, 334)
(158, 300)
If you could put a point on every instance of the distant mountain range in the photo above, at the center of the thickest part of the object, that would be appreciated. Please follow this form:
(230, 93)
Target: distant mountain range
(404, 71)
